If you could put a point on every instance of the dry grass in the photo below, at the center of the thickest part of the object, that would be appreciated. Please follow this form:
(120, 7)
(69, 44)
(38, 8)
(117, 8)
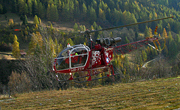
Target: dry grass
(154, 94)
(6, 55)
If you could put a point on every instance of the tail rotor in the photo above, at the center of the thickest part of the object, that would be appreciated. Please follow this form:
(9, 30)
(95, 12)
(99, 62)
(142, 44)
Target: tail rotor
(156, 42)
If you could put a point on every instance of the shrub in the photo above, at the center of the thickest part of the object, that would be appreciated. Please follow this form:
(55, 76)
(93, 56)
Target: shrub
(19, 83)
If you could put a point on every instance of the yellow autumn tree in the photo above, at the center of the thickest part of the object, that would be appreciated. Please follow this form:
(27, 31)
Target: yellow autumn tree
(36, 20)
(52, 47)
(58, 47)
(32, 44)
(15, 46)
(39, 39)
(150, 32)
(11, 22)
(164, 34)
(35, 39)
(70, 41)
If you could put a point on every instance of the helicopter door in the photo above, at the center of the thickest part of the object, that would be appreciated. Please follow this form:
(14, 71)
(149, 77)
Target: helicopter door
(78, 57)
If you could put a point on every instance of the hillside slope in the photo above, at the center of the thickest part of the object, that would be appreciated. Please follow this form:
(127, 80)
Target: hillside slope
(153, 94)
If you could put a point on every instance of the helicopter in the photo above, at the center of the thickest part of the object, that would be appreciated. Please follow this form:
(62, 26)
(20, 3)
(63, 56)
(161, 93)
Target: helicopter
(97, 56)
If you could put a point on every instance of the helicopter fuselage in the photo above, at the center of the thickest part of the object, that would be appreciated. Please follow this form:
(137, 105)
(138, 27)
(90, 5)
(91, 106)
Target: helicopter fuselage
(80, 58)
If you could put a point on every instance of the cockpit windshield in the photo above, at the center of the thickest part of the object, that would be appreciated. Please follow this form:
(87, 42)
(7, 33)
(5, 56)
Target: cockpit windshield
(65, 52)
(71, 57)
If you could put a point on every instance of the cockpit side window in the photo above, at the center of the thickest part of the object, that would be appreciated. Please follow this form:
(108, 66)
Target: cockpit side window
(63, 59)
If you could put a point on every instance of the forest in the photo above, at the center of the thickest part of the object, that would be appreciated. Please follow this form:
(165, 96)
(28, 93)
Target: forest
(45, 42)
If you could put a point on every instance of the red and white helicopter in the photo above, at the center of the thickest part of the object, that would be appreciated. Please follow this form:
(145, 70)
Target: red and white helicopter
(96, 58)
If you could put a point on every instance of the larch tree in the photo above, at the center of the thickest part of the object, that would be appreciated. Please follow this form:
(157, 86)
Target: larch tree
(32, 45)
(102, 15)
(52, 47)
(35, 39)
(144, 55)
(150, 32)
(11, 22)
(16, 50)
(70, 41)
(58, 47)
(164, 34)
(36, 20)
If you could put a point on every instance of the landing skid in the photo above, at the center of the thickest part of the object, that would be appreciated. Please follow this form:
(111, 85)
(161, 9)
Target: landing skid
(91, 72)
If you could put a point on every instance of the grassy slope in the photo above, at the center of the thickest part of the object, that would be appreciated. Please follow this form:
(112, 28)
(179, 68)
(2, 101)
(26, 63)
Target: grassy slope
(154, 94)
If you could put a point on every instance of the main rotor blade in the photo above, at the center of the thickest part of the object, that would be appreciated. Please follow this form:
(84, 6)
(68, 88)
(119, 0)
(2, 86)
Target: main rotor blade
(127, 25)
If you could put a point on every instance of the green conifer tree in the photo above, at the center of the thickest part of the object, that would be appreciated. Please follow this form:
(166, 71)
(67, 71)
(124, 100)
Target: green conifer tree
(75, 27)
(48, 15)
(41, 10)
(84, 11)
(146, 33)
(102, 15)
(21, 5)
(35, 7)
(55, 15)
(14, 6)
(29, 2)
(1, 9)
(65, 12)
(25, 20)
(92, 15)
(71, 10)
